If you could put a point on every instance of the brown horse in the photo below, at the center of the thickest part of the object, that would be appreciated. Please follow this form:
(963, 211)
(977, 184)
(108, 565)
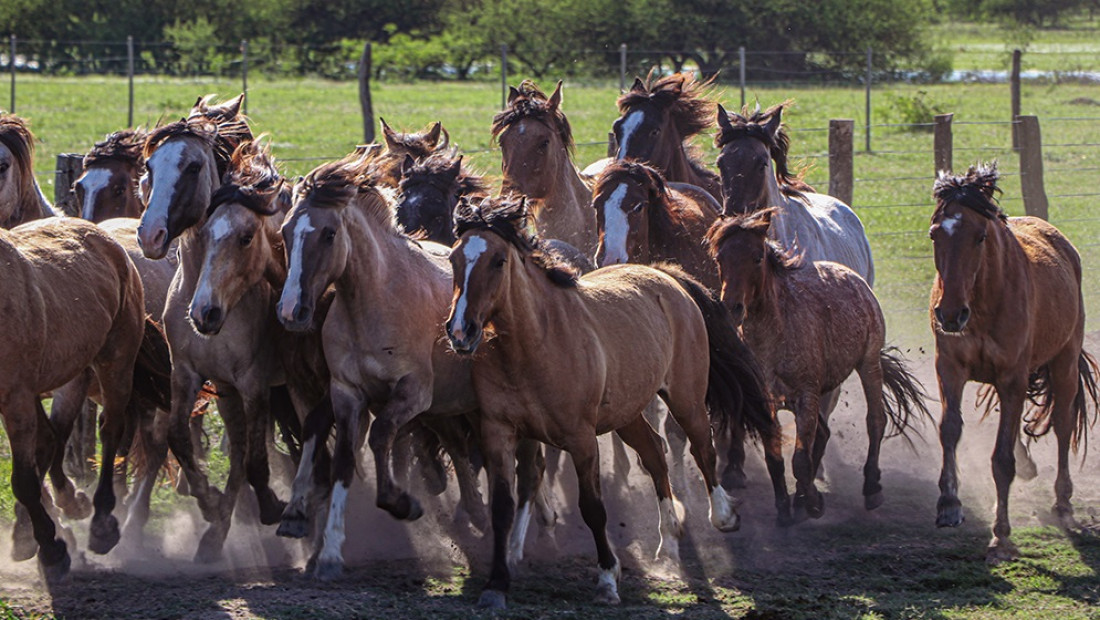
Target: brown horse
(110, 185)
(657, 120)
(1006, 310)
(429, 191)
(574, 359)
(50, 341)
(536, 142)
(811, 325)
(21, 200)
(399, 145)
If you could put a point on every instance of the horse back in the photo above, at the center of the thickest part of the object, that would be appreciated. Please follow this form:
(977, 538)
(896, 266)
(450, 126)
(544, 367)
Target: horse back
(1054, 270)
(824, 228)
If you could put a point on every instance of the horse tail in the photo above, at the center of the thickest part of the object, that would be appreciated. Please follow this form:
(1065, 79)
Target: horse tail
(152, 387)
(1040, 392)
(1087, 393)
(903, 396)
(735, 386)
(286, 420)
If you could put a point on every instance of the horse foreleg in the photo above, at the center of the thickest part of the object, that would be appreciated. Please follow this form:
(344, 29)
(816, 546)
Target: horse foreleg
(951, 379)
(346, 407)
(407, 400)
(1011, 391)
(231, 410)
(68, 406)
(870, 375)
(22, 421)
(586, 460)
(498, 442)
(315, 432)
(185, 388)
(648, 444)
(808, 502)
(530, 467)
(454, 435)
(690, 413)
(258, 420)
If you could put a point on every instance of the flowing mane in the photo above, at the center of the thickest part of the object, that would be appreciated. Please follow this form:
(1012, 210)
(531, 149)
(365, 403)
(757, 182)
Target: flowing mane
(685, 98)
(332, 185)
(123, 146)
(976, 190)
(213, 126)
(528, 101)
(508, 218)
(431, 168)
(753, 125)
(251, 181)
(780, 261)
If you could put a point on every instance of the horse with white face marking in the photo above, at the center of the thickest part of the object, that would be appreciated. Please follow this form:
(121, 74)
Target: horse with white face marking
(110, 186)
(21, 199)
(536, 143)
(382, 336)
(574, 358)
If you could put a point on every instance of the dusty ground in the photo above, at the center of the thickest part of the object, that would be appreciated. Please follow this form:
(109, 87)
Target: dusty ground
(889, 563)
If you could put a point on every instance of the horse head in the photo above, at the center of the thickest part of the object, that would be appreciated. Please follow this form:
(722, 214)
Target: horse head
(17, 189)
(535, 140)
(109, 185)
(656, 116)
(427, 195)
(747, 143)
(746, 258)
(624, 197)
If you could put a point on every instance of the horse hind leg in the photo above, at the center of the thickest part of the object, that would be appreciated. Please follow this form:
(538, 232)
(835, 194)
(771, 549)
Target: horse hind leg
(231, 409)
(152, 442)
(68, 406)
(1011, 392)
(640, 436)
(586, 461)
(808, 501)
(828, 405)
(116, 382)
(258, 421)
(870, 375)
(1067, 378)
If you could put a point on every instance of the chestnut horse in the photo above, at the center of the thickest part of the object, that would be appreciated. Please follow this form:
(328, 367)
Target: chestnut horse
(110, 185)
(382, 337)
(49, 342)
(811, 325)
(1006, 310)
(657, 120)
(21, 200)
(536, 143)
(565, 360)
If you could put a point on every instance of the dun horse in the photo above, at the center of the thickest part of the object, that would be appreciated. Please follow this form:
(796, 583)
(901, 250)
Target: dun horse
(1006, 310)
(536, 142)
(811, 325)
(109, 186)
(21, 200)
(582, 358)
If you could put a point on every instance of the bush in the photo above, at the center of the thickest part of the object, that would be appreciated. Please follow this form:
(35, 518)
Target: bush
(918, 111)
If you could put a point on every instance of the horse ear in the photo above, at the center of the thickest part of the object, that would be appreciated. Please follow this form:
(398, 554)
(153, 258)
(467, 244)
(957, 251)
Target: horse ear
(638, 86)
(775, 121)
(432, 136)
(513, 94)
(407, 164)
(446, 138)
(554, 102)
(724, 119)
(455, 167)
(233, 106)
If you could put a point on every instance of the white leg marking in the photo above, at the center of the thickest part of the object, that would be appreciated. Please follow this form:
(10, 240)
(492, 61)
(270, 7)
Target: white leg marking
(723, 514)
(292, 291)
(519, 535)
(332, 552)
(616, 228)
(607, 584)
(303, 480)
(94, 181)
(672, 528)
(475, 247)
(630, 125)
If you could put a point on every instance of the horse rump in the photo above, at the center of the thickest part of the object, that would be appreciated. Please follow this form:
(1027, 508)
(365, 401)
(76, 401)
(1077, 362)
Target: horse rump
(903, 396)
(735, 386)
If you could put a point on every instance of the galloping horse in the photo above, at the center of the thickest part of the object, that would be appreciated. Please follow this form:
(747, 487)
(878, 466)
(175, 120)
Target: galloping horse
(1006, 310)
(21, 200)
(49, 342)
(658, 118)
(110, 184)
(381, 338)
(565, 360)
(399, 145)
(428, 192)
(537, 145)
(811, 325)
(755, 176)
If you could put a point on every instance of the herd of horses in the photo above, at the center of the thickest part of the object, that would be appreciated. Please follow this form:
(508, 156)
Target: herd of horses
(392, 296)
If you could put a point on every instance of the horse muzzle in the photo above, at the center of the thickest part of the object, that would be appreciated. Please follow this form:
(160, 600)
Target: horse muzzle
(154, 241)
(465, 339)
(207, 320)
(295, 317)
(952, 323)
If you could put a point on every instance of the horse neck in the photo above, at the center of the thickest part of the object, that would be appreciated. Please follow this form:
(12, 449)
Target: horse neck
(192, 252)
(275, 259)
(773, 194)
(525, 310)
(1000, 280)
(32, 205)
(765, 323)
(377, 256)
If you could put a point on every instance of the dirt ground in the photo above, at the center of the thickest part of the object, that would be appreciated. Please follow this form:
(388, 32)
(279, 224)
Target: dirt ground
(892, 562)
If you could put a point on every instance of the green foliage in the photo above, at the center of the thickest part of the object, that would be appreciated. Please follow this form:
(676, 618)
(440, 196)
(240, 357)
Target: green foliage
(197, 46)
(917, 110)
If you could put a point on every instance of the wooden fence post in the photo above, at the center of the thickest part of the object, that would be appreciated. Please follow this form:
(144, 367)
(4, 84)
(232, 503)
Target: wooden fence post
(612, 145)
(1031, 166)
(1014, 82)
(943, 143)
(130, 78)
(364, 94)
(69, 167)
(841, 132)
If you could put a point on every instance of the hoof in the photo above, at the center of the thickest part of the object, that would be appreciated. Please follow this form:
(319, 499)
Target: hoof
(435, 477)
(78, 509)
(729, 525)
(293, 526)
(1063, 518)
(328, 570)
(210, 547)
(668, 551)
(815, 507)
(104, 535)
(407, 508)
(23, 547)
(479, 519)
(55, 571)
(271, 512)
(873, 500)
(1001, 550)
(734, 479)
(492, 599)
(949, 514)
(606, 594)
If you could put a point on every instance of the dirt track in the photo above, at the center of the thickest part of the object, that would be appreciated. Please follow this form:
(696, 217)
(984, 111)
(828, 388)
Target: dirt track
(892, 561)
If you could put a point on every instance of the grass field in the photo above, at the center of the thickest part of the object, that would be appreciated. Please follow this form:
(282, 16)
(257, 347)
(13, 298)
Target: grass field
(901, 574)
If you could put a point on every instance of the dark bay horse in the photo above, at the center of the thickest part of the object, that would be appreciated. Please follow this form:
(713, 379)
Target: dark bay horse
(657, 120)
(536, 143)
(562, 361)
(21, 199)
(399, 145)
(1006, 310)
(428, 192)
(811, 325)
(49, 342)
(110, 184)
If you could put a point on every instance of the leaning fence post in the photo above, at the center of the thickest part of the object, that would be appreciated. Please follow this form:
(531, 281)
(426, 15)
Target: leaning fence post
(11, 65)
(1014, 82)
(130, 76)
(503, 75)
(622, 67)
(741, 67)
(365, 103)
(841, 132)
(244, 73)
(867, 106)
(69, 167)
(1031, 167)
(943, 143)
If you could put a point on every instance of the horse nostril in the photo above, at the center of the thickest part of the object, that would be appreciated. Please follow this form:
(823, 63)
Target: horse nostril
(964, 316)
(939, 314)
(211, 315)
(301, 314)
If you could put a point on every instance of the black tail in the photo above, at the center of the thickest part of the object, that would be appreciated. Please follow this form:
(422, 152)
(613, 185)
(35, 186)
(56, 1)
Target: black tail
(1040, 393)
(735, 390)
(903, 395)
(153, 370)
(286, 420)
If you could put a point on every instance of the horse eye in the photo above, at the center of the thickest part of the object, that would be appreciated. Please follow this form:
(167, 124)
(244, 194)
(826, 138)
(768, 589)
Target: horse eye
(328, 235)
(193, 167)
(545, 145)
(120, 190)
(499, 262)
(246, 240)
(638, 207)
(981, 239)
(758, 260)
(655, 131)
(4, 167)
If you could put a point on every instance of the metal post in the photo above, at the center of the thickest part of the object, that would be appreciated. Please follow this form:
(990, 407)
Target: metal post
(130, 75)
(11, 64)
(244, 73)
(868, 106)
(622, 68)
(503, 75)
(741, 63)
